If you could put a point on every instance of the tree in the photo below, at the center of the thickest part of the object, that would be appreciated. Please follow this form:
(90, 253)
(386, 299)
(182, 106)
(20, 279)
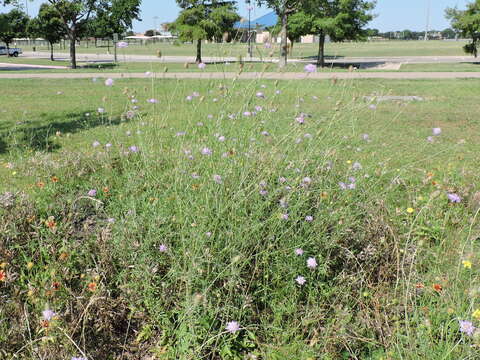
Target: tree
(467, 23)
(12, 25)
(299, 24)
(449, 33)
(47, 25)
(75, 15)
(204, 20)
(339, 19)
(151, 33)
(284, 9)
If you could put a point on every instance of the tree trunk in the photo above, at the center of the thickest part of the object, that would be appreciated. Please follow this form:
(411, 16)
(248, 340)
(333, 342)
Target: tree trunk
(198, 60)
(7, 44)
(51, 52)
(96, 42)
(321, 50)
(73, 55)
(283, 48)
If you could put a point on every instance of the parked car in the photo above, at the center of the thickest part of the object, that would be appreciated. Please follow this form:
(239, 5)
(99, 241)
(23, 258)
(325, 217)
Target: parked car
(11, 51)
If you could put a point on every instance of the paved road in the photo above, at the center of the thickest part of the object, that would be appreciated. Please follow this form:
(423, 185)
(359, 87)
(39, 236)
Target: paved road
(254, 75)
(207, 59)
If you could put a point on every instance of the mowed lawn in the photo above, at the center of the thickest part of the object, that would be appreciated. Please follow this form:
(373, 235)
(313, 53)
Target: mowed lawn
(239, 219)
(349, 49)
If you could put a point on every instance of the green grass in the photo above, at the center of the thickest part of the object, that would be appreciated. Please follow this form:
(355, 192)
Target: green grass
(230, 251)
(353, 49)
(459, 67)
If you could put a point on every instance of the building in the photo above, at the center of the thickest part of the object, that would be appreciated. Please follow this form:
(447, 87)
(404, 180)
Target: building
(259, 30)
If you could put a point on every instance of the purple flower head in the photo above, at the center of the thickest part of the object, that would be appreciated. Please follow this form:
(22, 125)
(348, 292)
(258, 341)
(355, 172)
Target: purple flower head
(258, 108)
(268, 45)
(265, 133)
(101, 110)
(311, 263)
(206, 151)
(96, 143)
(300, 280)
(310, 68)
(79, 358)
(285, 216)
(357, 166)
(48, 314)
(180, 133)
(221, 138)
(108, 145)
(195, 94)
(436, 131)
(111, 220)
(133, 149)
(163, 248)
(247, 113)
(260, 95)
(209, 116)
(352, 186)
(152, 101)
(148, 73)
(466, 327)
(282, 180)
(92, 192)
(278, 92)
(263, 192)
(306, 180)
(217, 179)
(189, 98)
(454, 198)
(342, 185)
(366, 137)
(300, 119)
(372, 107)
(122, 44)
(299, 251)
(130, 114)
(232, 327)
(109, 82)
(309, 218)
(202, 66)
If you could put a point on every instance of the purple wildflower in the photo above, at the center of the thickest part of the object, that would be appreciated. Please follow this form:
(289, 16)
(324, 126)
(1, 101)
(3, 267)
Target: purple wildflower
(217, 179)
(189, 98)
(92, 193)
(466, 327)
(260, 95)
(285, 216)
(299, 251)
(247, 113)
(96, 143)
(357, 166)
(48, 314)
(163, 248)
(152, 101)
(109, 82)
(311, 263)
(310, 68)
(454, 198)
(232, 327)
(202, 66)
(300, 280)
(101, 110)
(436, 131)
(133, 149)
(309, 218)
(206, 151)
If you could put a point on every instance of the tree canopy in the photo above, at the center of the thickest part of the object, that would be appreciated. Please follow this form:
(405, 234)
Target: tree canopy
(204, 20)
(467, 23)
(13, 25)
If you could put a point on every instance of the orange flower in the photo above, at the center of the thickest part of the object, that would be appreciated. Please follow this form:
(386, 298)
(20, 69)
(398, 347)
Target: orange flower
(3, 276)
(56, 285)
(45, 323)
(50, 222)
(106, 190)
(92, 286)
(55, 179)
(63, 256)
(419, 286)
(40, 184)
(437, 287)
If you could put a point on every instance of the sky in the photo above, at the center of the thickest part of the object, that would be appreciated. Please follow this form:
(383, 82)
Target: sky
(392, 15)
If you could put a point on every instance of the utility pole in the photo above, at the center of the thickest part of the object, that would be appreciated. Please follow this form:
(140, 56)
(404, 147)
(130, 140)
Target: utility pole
(249, 28)
(428, 20)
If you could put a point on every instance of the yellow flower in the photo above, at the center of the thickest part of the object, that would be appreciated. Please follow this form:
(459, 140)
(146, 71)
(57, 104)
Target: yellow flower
(410, 210)
(476, 314)
(467, 264)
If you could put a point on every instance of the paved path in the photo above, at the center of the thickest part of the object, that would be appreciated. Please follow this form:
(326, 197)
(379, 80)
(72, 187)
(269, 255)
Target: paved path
(183, 59)
(253, 75)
